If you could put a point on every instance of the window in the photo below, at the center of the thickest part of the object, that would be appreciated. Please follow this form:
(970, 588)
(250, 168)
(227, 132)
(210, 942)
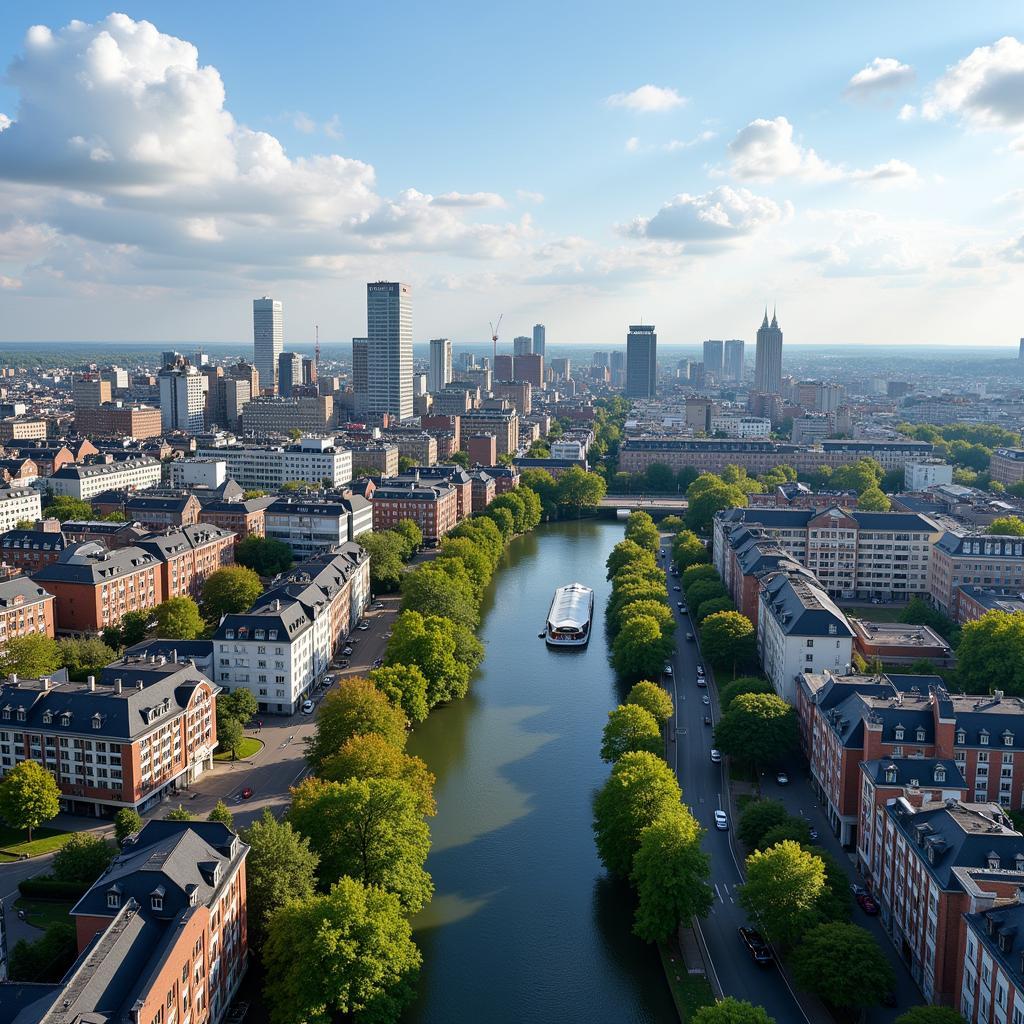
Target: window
(899, 732)
(920, 734)
(113, 900)
(983, 738)
(156, 902)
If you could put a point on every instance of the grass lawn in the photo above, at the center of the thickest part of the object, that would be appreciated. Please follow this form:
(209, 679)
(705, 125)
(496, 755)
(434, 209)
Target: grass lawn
(690, 991)
(43, 913)
(248, 747)
(875, 612)
(44, 840)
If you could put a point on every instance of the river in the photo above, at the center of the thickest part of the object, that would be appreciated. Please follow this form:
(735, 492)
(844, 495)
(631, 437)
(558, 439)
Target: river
(525, 926)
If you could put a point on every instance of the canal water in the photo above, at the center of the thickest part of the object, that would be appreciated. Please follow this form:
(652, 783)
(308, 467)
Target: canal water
(525, 926)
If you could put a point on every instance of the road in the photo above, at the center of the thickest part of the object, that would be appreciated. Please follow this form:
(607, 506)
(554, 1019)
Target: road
(705, 788)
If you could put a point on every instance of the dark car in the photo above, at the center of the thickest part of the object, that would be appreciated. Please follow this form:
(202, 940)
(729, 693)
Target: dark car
(756, 946)
(866, 903)
(707, 719)
(701, 681)
(246, 793)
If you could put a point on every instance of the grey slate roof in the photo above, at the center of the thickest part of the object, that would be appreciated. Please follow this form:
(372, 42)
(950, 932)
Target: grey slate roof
(801, 608)
(798, 518)
(33, 540)
(80, 472)
(90, 562)
(913, 771)
(23, 588)
(174, 542)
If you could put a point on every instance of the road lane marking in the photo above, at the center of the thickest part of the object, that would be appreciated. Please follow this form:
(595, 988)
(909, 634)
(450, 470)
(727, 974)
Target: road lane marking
(718, 893)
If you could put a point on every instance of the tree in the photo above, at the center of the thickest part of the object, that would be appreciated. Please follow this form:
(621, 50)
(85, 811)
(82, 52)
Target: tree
(859, 476)
(405, 686)
(240, 704)
(731, 1011)
(628, 552)
(47, 959)
(230, 736)
(842, 964)
(411, 533)
(727, 638)
(230, 590)
(221, 813)
(347, 952)
(659, 477)
(31, 656)
(651, 697)
(1007, 526)
(757, 819)
(178, 618)
(578, 490)
(178, 814)
(656, 610)
(745, 684)
(630, 727)
(502, 518)
(134, 626)
(430, 644)
(641, 530)
(793, 829)
(474, 557)
(280, 867)
(373, 757)
(672, 524)
(639, 650)
(700, 591)
(516, 506)
(757, 728)
(930, 1015)
(783, 884)
(64, 507)
(127, 821)
(919, 612)
(688, 549)
(991, 653)
(670, 873)
(707, 495)
(385, 550)
(83, 858)
(712, 607)
(444, 590)
(641, 786)
(703, 571)
(356, 708)
(29, 795)
(84, 657)
(264, 555)
(367, 829)
(873, 500)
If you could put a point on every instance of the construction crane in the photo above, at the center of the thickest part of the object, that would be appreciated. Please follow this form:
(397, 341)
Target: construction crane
(494, 339)
(316, 348)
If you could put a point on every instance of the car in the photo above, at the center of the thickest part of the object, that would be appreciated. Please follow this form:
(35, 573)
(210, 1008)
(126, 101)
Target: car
(344, 663)
(702, 682)
(307, 707)
(721, 821)
(679, 605)
(758, 949)
(857, 890)
(782, 778)
(363, 626)
(683, 608)
(246, 793)
(377, 662)
(668, 670)
(347, 650)
(705, 699)
(867, 903)
(813, 835)
(689, 637)
(677, 589)
(378, 607)
(707, 720)
(700, 670)
(716, 756)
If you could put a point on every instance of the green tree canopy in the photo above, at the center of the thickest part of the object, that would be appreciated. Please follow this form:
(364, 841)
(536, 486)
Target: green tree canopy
(651, 697)
(178, 618)
(578, 490)
(670, 872)
(178, 814)
(264, 555)
(239, 704)
(47, 959)
(126, 821)
(930, 1015)
(1007, 526)
(430, 644)
(712, 607)
(356, 708)
(859, 476)
(405, 686)
(640, 649)
(515, 504)
(794, 829)
(688, 549)
(873, 500)
(758, 728)
(83, 858)
(347, 952)
(919, 612)
(732, 1011)
(373, 757)
(641, 786)
(475, 558)
(64, 507)
(222, 813)
(443, 588)
(367, 829)
(230, 736)
(630, 727)
(84, 657)
(280, 867)
(700, 591)
(727, 639)
(701, 571)
(502, 518)
(385, 550)
(230, 590)
(628, 552)
(745, 684)
(31, 656)
(410, 532)
(842, 964)
(990, 655)
(672, 524)
(134, 626)
(641, 530)
(657, 610)
(707, 495)
(29, 796)
(782, 887)
(758, 818)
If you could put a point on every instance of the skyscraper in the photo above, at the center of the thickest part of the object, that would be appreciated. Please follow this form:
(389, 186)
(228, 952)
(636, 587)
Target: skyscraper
(389, 352)
(617, 360)
(735, 353)
(713, 359)
(289, 372)
(538, 339)
(440, 364)
(1020, 351)
(360, 384)
(182, 398)
(768, 357)
(641, 362)
(505, 367)
(522, 346)
(599, 359)
(267, 339)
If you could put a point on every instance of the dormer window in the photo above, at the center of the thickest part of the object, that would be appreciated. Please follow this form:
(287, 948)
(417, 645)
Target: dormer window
(992, 860)
(97, 721)
(983, 738)
(21, 714)
(47, 716)
(899, 732)
(890, 773)
(156, 900)
(940, 773)
(920, 734)
(113, 899)
(7, 713)
(1018, 861)
(229, 634)
(272, 634)
(1007, 738)
(65, 719)
(961, 737)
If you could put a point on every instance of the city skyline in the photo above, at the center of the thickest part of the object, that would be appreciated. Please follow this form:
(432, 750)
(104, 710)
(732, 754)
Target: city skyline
(873, 190)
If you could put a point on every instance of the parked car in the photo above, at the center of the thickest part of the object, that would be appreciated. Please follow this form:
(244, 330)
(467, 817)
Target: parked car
(363, 626)
(707, 720)
(344, 663)
(246, 793)
(679, 605)
(689, 637)
(721, 821)
(378, 607)
(867, 903)
(705, 699)
(700, 670)
(677, 589)
(813, 833)
(668, 670)
(782, 778)
(716, 756)
(702, 682)
(377, 662)
(307, 707)
(348, 650)
(758, 949)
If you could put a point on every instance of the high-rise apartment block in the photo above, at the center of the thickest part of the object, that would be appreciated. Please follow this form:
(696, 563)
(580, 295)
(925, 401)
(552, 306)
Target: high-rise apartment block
(522, 346)
(713, 358)
(504, 367)
(531, 368)
(641, 361)
(267, 339)
(389, 349)
(735, 351)
(360, 375)
(768, 357)
(440, 364)
(538, 339)
(289, 373)
(182, 398)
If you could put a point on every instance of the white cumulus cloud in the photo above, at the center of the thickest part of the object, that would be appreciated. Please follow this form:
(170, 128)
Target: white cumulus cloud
(882, 77)
(648, 99)
(469, 199)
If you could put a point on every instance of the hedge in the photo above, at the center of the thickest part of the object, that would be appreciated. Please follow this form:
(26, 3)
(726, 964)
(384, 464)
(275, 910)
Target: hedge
(47, 888)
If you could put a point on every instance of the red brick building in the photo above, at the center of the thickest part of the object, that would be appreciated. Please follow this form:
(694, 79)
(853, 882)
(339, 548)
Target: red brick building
(482, 449)
(32, 548)
(484, 489)
(434, 507)
(189, 555)
(244, 518)
(25, 608)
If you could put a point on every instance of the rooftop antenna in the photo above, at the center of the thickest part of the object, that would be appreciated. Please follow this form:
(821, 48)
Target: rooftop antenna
(494, 338)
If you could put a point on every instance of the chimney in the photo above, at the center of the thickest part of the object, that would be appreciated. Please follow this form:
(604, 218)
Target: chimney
(92, 683)
(44, 682)
(117, 685)
(174, 653)
(138, 685)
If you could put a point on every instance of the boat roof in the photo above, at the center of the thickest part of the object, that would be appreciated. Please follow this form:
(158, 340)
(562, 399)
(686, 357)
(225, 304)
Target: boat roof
(571, 606)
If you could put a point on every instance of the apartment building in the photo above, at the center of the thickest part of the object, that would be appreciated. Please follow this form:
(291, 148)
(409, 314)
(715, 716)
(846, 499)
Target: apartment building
(311, 414)
(502, 422)
(95, 587)
(454, 476)
(85, 482)
(992, 964)
(111, 534)
(282, 646)
(33, 547)
(853, 554)
(312, 525)
(971, 602)
(799, 630)
(485, 489)
(244, 517)
(18, 504)
(188, 556)
(433, 506)
(382, 459)
(981, 560)
(754, 555)
(1007, 466)
(163, 511)
(22, 428)
(48, 457)
(413, 443)
(317, 460)
(137, 735)
(506, 478)
(120, 420)
(25, 609)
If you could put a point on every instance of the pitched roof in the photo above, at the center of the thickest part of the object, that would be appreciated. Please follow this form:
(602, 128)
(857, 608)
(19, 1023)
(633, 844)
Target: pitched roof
(90, 562)
(796, 601)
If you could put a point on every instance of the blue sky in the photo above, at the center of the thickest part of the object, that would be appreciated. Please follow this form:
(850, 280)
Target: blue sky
(583, 165)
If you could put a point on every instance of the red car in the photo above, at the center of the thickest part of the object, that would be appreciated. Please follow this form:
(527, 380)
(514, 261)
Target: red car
(246, 793)
(867, 903)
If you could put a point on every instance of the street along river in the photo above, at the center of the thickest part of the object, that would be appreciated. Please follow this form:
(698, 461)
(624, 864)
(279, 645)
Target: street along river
(524, 926)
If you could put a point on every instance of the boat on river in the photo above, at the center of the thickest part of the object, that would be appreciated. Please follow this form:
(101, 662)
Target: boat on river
(570, 616)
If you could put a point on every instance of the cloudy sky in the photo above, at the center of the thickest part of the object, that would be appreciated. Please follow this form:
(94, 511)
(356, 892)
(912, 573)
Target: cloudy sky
(584, 165)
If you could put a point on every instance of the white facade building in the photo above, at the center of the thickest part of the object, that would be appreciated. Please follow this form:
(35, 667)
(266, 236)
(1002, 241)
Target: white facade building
(926, 473)
(182, 399)
(17, 503)
(389, 349)
(197, 473)
(311, 526)
(267, 339)
(86, 482)
(571, 449)
(267, 467)
(741, 426)
(440, 364)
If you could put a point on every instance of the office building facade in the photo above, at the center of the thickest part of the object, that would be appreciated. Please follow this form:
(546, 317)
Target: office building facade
(539, 339)
(267, 339)
(733, 360)
(522, 346)
(641, 362)
(768, 357)
(389, 349)
(714, 354)
(440, 364)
